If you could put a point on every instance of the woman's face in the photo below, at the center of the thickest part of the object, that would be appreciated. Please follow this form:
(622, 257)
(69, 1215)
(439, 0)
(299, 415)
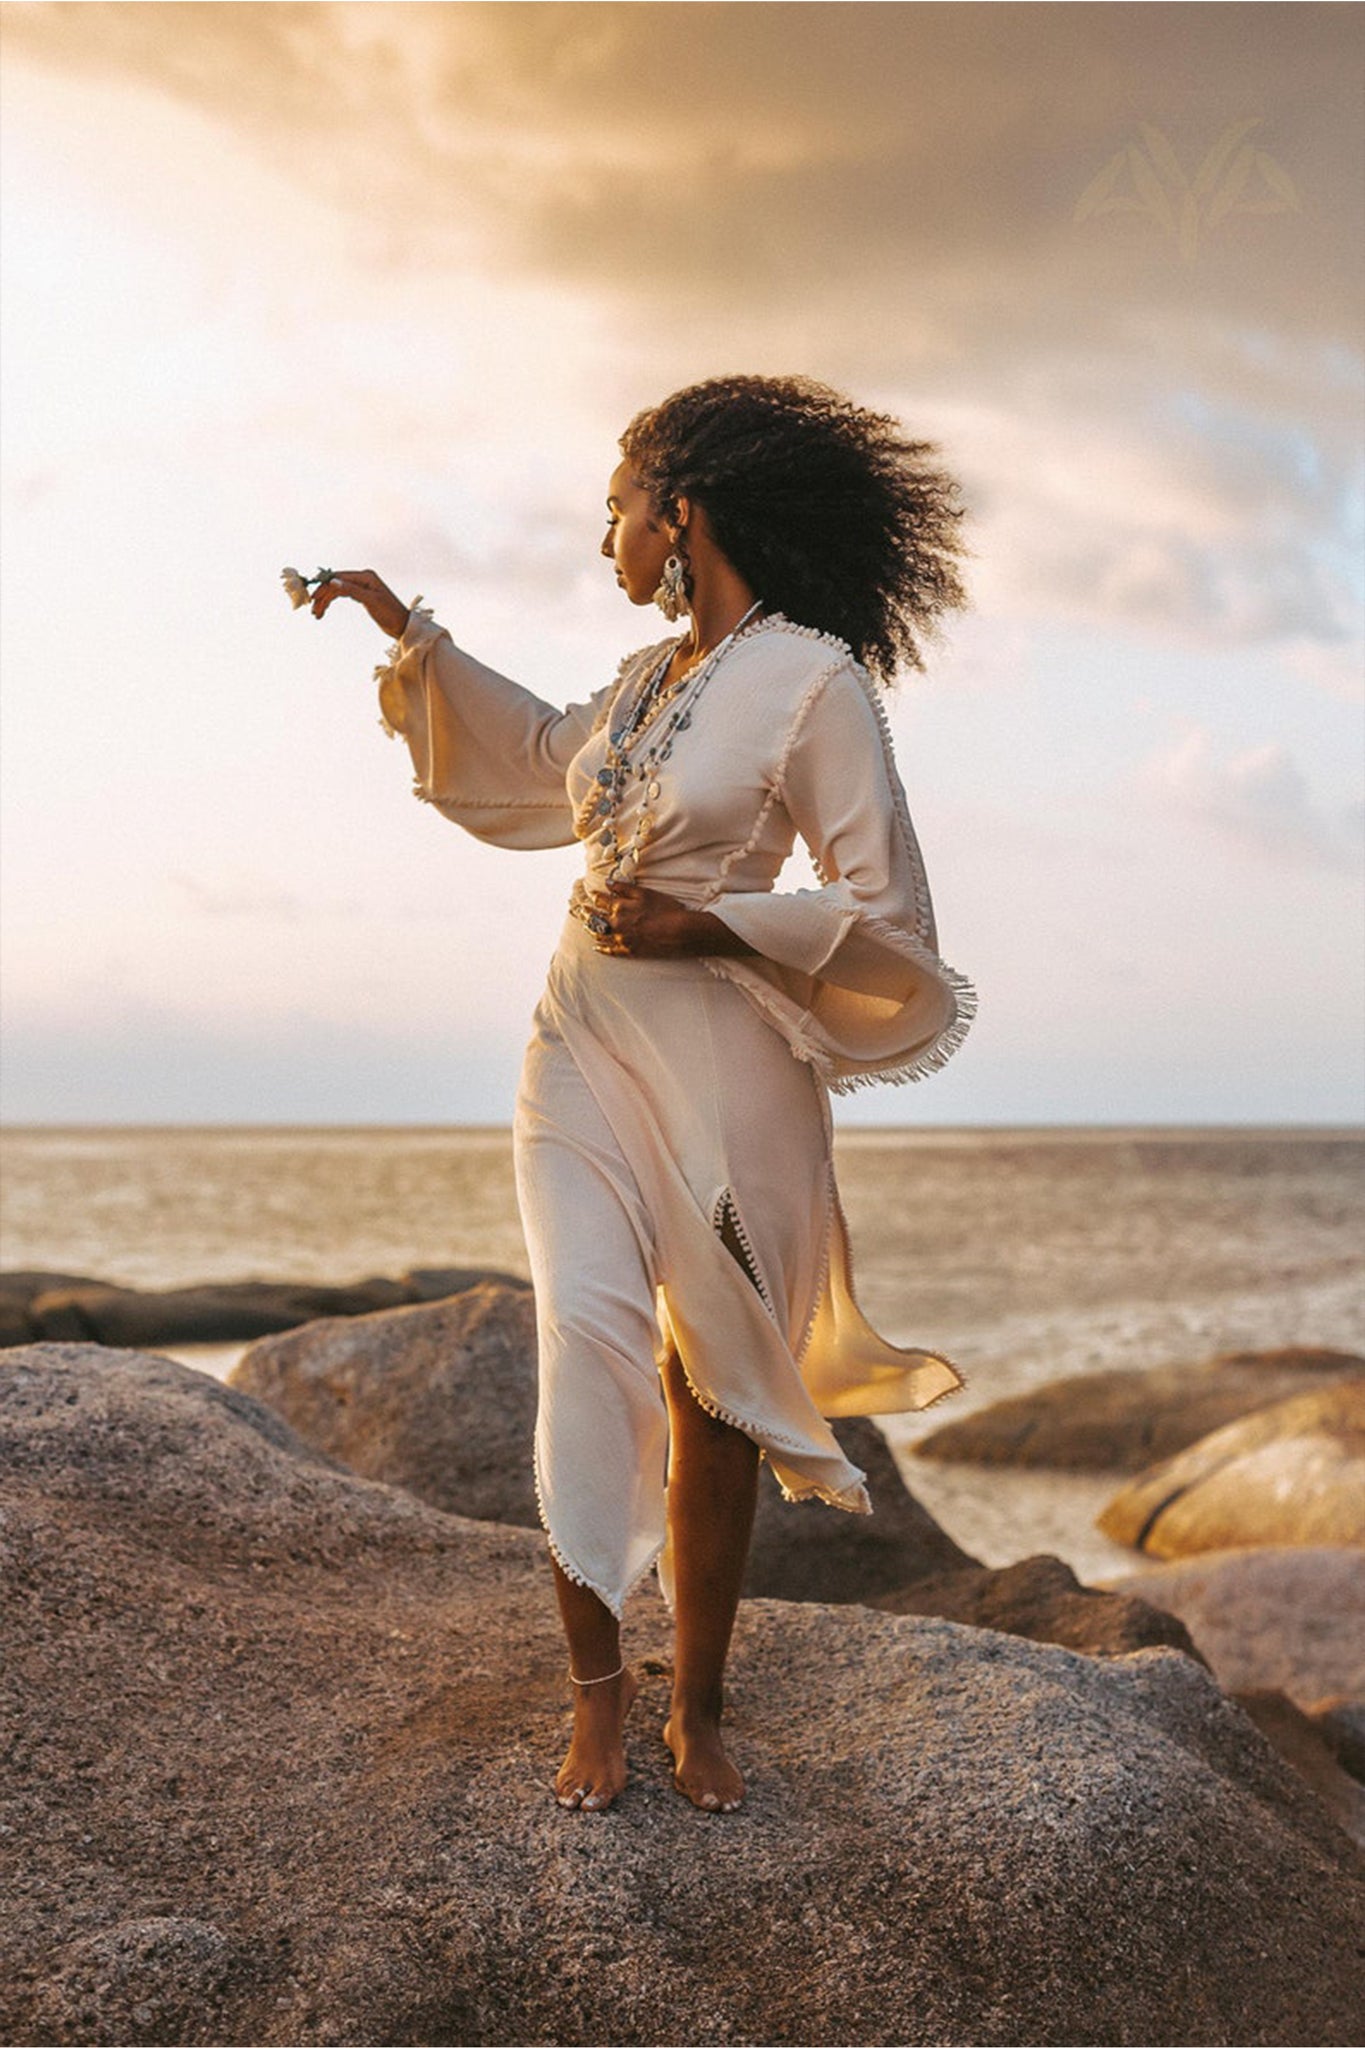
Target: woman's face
(636, 539)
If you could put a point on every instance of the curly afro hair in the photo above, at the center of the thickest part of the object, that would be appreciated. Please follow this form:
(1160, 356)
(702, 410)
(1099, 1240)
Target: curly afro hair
(827, 510)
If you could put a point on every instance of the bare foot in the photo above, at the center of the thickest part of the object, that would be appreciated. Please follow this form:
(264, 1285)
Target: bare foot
(594, 1771)
(701, 1768)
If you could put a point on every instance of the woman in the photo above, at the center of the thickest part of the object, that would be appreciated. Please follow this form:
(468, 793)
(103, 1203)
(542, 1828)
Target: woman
(673, 1137)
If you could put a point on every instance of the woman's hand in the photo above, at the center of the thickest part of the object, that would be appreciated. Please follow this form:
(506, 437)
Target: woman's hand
(389, 613)
(645, 924)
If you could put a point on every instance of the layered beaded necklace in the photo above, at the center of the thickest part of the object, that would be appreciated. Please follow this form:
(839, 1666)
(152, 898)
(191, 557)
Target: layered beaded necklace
(598, 816)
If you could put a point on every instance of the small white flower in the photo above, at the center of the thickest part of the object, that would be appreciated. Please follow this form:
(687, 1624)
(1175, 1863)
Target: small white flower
(296, 587)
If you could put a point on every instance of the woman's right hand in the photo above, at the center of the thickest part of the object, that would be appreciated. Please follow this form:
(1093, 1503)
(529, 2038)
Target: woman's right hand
(389, 613)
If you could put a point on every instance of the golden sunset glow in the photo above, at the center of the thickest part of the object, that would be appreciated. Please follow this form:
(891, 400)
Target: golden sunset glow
(378, 286)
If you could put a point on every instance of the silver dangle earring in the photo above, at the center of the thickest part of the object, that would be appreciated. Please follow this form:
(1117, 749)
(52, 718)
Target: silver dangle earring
(671, 595)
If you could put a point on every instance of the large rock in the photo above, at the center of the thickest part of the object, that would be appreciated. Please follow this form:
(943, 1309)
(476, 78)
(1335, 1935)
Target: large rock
(1122, 1421)
(212, 1312)
(442, 1400)
(16, 1326)
(18, 1288)
(22, 1283)
(1279, 1620)
(803, 1550)
(1294, 1473)
(1041, 1597)
(282, 1772)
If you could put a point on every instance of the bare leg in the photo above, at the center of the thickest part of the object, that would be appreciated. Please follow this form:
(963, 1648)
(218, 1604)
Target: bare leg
(712, 1491)
(594, 1770)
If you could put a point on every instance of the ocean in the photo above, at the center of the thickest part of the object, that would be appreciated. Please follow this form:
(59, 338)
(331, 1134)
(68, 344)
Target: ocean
(1021, 1254)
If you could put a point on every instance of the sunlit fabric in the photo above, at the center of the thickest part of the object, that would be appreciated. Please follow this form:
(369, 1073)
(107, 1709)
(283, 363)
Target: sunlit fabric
(673, 1136)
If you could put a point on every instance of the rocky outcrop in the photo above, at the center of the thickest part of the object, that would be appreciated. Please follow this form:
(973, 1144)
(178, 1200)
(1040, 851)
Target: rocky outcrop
(1279, 1619)
(1294, 1473)
(15, 1326)
(442, 1399)
(1123, 1421)
(1041, 1598)
(284, 1748)
(18, 1288)
(62, 1306)
(21, 1284)
(802, 1550)
(405, 1396)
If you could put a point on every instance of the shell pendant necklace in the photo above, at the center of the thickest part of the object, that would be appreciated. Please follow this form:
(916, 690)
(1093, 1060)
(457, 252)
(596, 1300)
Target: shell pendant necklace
(597, 820)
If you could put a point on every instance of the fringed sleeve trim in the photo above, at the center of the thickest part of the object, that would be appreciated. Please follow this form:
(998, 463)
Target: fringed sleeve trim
(914, 941)
(387, 671)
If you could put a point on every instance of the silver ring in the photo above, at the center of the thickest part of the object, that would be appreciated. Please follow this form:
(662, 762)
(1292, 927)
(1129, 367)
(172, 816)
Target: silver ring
(597, 923)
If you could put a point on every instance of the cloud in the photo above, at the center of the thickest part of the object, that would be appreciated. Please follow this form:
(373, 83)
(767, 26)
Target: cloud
(1339, 670)
(884, 194)
(1209, 526)
(1257, 801)
(682, 154)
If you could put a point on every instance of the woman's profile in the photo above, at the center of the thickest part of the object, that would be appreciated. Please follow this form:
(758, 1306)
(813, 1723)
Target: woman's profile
(673, 1135)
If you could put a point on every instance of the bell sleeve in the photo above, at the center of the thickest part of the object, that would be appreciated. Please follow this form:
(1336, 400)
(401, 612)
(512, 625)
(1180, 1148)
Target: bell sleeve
(486, 753)
(850, 972)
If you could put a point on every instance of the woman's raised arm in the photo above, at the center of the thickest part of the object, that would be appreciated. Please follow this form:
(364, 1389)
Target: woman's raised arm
(486, 752)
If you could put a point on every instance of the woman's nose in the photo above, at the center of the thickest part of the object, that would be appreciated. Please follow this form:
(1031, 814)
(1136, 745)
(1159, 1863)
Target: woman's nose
(606, 547)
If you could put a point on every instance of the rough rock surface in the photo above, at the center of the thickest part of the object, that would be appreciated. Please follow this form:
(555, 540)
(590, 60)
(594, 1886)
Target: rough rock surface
(18, 1287)
(440, 1399)
(1276, 1620)
(405, 1396)
(65, 1306)
(1294, 1473)
(1123, 1421)
(1041, 1597)
(284, 1741)
(803, 1550)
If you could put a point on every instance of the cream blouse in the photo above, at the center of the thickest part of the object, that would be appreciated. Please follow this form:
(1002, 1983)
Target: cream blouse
(788, 738)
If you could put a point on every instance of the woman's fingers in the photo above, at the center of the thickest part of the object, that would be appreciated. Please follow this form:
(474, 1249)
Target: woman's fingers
(640, 921)
(623, 911)
(389, 613)
(356, 583)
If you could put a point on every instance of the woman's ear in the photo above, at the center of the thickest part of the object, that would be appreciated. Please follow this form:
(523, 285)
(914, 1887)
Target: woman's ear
(676, 515)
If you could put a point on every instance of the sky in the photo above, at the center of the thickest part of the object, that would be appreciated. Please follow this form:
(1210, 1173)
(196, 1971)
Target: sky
(364, 286)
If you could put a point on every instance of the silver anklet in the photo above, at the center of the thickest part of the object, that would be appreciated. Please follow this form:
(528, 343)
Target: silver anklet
(597, 1681)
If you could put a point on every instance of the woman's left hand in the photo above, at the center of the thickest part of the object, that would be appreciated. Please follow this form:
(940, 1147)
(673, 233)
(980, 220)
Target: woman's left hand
(645, 924)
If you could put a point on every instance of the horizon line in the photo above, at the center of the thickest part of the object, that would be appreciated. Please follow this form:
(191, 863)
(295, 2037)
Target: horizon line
(1184, 1126)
